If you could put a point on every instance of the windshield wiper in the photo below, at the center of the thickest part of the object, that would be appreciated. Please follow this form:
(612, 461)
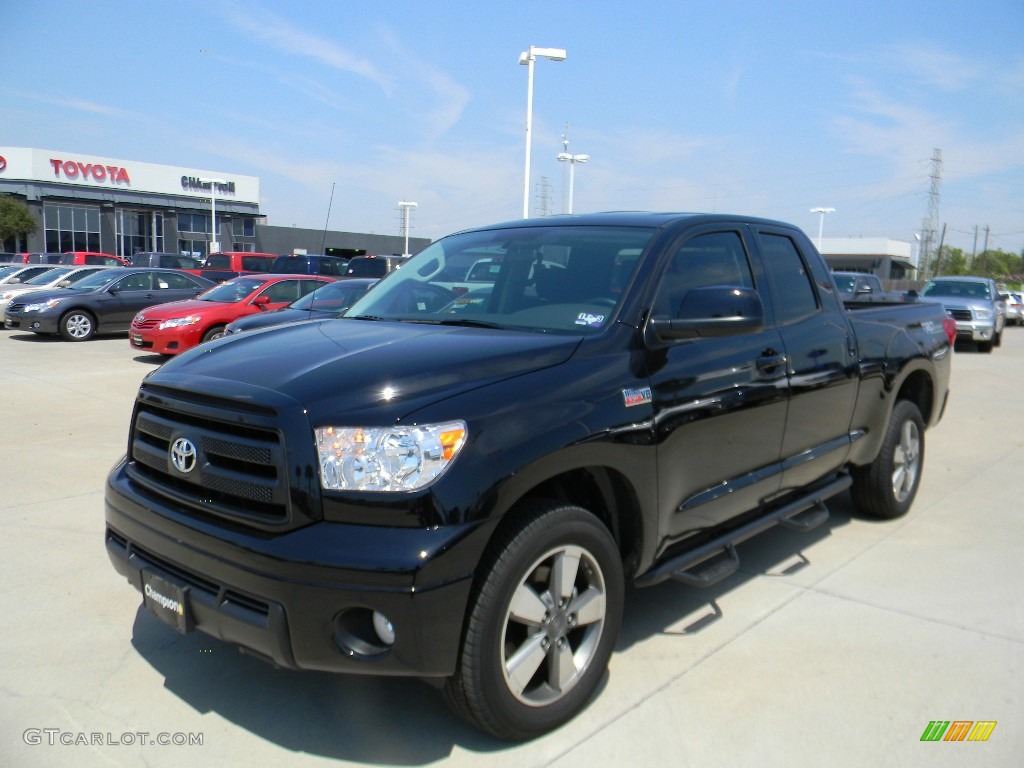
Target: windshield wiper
(362, 317)
(469, 322)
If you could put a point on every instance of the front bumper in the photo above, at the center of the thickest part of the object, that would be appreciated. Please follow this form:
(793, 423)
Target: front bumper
(37, 322)
(167, 342)
(975, 330)
(303, 599)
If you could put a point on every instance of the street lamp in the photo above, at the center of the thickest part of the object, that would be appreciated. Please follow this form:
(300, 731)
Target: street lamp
(821, 221)
(214, 244)
(572, 160)
(527, 58)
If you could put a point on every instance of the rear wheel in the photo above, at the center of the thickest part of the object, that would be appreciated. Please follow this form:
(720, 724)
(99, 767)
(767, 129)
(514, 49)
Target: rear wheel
(541, 625)
(886, 488)
(77, 325)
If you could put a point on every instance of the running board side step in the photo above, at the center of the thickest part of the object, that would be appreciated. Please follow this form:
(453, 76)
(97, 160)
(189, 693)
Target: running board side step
(694, 569)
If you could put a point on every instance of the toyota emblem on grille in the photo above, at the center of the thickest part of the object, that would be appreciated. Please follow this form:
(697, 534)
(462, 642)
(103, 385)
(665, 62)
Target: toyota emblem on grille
(183, 455)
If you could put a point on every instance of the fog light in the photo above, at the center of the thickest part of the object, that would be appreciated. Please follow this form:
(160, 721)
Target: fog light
(384, 628)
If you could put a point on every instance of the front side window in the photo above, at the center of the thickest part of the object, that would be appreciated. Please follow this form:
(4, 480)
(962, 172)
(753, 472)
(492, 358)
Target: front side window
(712, 259)
(563, 279)
(285, 291)
(142, 281)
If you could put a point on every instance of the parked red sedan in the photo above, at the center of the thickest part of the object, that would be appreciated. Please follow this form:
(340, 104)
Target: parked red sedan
(167, 329)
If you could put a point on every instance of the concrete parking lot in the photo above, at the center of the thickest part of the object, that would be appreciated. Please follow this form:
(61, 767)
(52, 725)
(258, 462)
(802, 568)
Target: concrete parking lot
(837, 647)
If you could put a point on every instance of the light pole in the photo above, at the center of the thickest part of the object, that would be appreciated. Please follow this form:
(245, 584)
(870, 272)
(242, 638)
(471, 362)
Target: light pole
(214, 243)
(572, 160)
(821, 221)
(527, 58)
(405, 224)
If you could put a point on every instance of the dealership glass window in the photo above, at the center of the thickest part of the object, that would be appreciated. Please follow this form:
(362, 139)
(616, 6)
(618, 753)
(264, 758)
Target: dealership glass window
(194, 247)
(138, 231)
(71, 228)
(242, 227)
(194, 222)
(243, 247)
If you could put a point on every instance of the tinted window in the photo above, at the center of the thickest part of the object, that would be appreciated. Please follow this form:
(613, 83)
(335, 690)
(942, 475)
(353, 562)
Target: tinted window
(167, 280)
(795, 298)
(139, 282)
(717, 258)
(286, 291)
(256, 263)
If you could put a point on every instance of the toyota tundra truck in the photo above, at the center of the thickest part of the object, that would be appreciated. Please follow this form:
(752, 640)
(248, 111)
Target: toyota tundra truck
(459, 487)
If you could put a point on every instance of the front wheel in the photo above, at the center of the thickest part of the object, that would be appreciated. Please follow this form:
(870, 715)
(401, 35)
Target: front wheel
(214, 333)
(541, 624)
(886, 488)
(77, 325)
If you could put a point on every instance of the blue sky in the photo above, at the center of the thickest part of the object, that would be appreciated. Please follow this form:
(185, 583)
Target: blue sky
(767, 109)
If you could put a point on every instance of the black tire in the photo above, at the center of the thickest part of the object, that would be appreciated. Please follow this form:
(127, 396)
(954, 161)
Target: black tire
(531, 659)
(997, 340)
(985, 346)
(214, 333)
(77, 325)
(886, 488)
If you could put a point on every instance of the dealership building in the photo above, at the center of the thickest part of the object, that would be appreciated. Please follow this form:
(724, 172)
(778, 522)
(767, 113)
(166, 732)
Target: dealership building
(88, 203)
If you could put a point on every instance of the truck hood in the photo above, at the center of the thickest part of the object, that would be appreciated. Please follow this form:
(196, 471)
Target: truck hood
(362, 369)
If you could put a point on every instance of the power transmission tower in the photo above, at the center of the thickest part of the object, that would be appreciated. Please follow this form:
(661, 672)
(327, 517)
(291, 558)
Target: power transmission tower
(931, 222)
(544, 196)
(405, 206)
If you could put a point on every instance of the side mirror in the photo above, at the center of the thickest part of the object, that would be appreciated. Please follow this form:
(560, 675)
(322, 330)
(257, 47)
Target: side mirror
(261, 300)
(711, 312)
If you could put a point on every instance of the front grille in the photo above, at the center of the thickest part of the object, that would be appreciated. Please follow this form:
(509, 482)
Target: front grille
(144, 325)
(960, 314)
(237, 466)
(12, 308)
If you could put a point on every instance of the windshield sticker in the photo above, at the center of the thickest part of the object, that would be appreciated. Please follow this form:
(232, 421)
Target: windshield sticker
(589, 320)
(636, 396)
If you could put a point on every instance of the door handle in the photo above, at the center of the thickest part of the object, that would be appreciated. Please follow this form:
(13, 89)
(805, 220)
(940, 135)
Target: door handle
(770, 360)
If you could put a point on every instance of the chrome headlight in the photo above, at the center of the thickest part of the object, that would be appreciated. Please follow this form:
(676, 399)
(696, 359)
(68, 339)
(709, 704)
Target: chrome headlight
(387, 458)
(983, 314)
(177, 322)
(50, 304)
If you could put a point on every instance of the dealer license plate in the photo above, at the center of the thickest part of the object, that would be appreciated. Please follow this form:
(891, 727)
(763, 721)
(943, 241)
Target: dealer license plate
(167, 600)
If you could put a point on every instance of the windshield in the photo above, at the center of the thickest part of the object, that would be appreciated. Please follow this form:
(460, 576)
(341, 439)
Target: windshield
(963, 288)
(233, 291)
(333, 296)
(557, 279)
(97, 280)
(46, 277)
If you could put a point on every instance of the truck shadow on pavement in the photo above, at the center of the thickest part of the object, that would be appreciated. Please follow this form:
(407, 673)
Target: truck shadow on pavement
(397, 721)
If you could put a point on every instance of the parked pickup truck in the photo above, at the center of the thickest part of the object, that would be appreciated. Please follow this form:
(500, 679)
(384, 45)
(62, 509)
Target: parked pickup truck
(858, 287)
(225, 265)
(461, 491)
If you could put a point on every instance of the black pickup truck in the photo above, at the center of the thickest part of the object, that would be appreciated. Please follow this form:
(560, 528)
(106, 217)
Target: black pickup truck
(458, 487)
